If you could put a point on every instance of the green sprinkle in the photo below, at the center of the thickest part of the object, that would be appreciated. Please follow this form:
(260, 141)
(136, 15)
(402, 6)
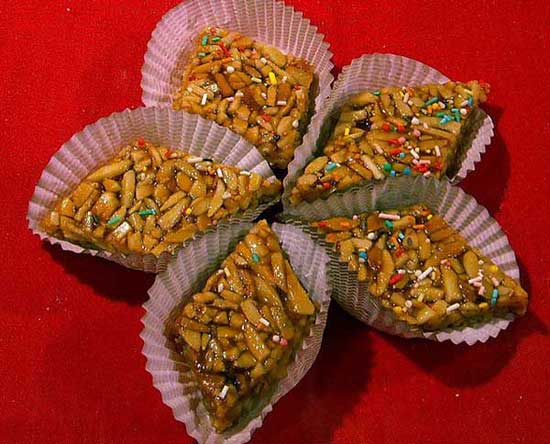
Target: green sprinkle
(255, 258)
(202, 54)
(440, 114)
(204, 40)
(387, 166)
(114, 220)
(388, 224)
(457, 116)
(376, 93)
(150, 212)
(216, 39)
(431, 101)
(470, 101)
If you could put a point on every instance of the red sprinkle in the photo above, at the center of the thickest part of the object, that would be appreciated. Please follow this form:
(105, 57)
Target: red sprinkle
(395, 278)
(323, 224)
(141, 141)
(327, 185)
(266, 117)
(437, 165)
(399, 252)
(212, 30)
(394, 142)
(168, 153)
(297, 87)
(192, 77)
(386, 126)
(421, 168)
(401, 128)
(224, 49)
(395, 152)
(283, 342)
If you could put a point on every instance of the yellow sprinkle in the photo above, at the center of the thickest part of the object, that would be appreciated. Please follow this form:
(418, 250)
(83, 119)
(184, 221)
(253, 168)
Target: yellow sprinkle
(483, 305)
(493, 268)
(188, 211)
(346, 132)
(272, 78)
(429, 216)
(397, 310)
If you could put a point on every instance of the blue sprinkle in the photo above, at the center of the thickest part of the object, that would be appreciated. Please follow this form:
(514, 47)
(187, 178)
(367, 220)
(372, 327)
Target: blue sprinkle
(362, 255)
(392, 173)
(494, 296)
(255, 258)
(401, 236)
(470, 101)
(331, 166)
(407, 171)
(401, 155)
(454, 110)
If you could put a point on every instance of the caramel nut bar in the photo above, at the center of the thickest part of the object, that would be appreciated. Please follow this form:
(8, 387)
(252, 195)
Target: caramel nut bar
(240, 333)
(422, 269)
(253, 89)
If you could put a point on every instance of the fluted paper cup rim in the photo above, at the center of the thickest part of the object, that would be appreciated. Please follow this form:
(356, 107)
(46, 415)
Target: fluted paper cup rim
(453, 202)
(169, 293)
(360, 78)
(94, 145)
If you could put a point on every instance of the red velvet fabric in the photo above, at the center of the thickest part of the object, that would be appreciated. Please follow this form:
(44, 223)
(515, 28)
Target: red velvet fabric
(71, 367)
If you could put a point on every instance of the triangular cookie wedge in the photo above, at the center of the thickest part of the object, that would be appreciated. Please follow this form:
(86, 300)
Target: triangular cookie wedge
(240, 333)
(252, 88)
(394, 132)
(150, 199)
(422, 269)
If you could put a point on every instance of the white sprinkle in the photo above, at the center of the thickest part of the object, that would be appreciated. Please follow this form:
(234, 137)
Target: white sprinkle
(371, 236)
(239, 94)
(276, 338)
(432, 276)
(463, 111)
(226, 195)
(480, 262)
(263, 60)
(453, 307)
(264, 321)
(230, 99)
(295, 123)
(428, 240)
(477, 284)
(415, 121)
(408, 304)
(214, 87)
(219, 172)
(220, 288)
(189, 89)
(495, 281)
(425, 125)
(224, 391)
(481, 291)
(362, 260)
(401, 271)
(420, 298)
(227, 272)
(437, 151)
(281, 102)
(425, 273)
(245, 173)
(285, 78)
(415, 154)
(230, 69)
(417, 273)
(406, 97)
(204, 99)
(194, 159)
(427, 174)
(441, 105)
(264, 95)
(389, 216)
(410, 103)
(463, 104)
(378, 149)
(424, 161)
(256, 79)
(474, 279)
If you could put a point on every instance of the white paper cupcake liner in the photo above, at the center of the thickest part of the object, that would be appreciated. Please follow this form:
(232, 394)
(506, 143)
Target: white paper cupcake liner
(99, 142)
(268, 21)
(372, 72)
(185, 276)
(459, 209)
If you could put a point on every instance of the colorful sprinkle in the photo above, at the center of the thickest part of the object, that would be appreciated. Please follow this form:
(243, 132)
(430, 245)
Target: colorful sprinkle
(346, 131)
(114, 220)
(255, 258)
(272, 78)
(392, 173)
(216, 39)
(416, 132)
(204, 40)
(141, 141)
(149, 212)
(326, 185)
(431, 101)
(387, 166)
(395, 278)
(386, 126)
(407, 171)
(331, 166)
(425, 273)
(401, 128)
(204, 99)
(494, 296)
(453, 307)
(362, 255)
(388, 224)
(470, 101)
(376, 93)
(202, 54)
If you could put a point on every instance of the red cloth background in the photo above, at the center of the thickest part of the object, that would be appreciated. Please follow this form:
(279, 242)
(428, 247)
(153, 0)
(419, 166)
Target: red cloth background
(71, 369)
